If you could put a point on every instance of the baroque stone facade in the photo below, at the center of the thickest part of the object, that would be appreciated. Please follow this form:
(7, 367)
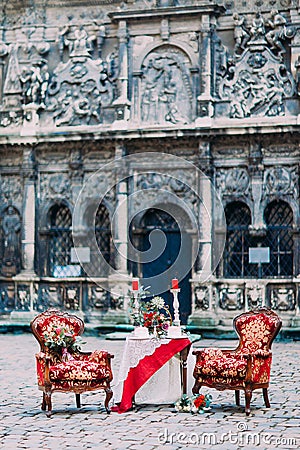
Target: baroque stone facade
(116, 117)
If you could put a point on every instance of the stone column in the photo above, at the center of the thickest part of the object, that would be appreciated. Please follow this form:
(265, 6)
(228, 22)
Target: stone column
(205, 107)
(28, 241)
(122, 104)
(119, 281)
(27, 276)
(121, 216)
(203, 278)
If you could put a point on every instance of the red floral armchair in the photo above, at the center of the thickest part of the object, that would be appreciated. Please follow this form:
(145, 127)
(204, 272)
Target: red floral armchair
(248, 366)
(61, 366)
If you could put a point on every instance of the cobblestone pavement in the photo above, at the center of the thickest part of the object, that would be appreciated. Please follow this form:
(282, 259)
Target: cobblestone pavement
(24, 426)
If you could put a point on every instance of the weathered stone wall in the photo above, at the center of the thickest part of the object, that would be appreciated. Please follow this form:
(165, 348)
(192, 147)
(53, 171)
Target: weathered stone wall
(84, 83)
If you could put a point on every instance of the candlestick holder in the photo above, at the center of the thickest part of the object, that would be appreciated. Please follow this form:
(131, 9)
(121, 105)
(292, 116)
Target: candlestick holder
(174, 331)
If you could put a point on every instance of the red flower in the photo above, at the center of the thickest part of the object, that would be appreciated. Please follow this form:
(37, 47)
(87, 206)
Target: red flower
(58, 330)
(199, 401)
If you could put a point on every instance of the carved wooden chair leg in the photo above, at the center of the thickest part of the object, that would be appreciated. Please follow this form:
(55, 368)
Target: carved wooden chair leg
(196, 387)
(78, 402)
(49, 403)
(109, 394)
(248, 395)
(266, 397)
(237, 397)
(43, 407)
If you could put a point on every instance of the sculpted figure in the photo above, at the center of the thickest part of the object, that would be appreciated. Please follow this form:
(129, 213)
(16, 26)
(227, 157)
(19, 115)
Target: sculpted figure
(82, 44)
(241, 34)
(257, 29)
(276, 34)
(11, 226)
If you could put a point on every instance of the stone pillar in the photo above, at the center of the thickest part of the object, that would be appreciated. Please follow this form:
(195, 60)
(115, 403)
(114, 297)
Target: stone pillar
(205, 107)
(202, 311)
(27, 276)
(122, 104)
(121, 216)
(119, 281)
(28, 241)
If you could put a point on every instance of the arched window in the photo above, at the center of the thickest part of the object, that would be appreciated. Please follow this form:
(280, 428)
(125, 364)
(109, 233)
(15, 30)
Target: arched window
(103, 237)
(236, 252)
(60, 242)
(279, 221)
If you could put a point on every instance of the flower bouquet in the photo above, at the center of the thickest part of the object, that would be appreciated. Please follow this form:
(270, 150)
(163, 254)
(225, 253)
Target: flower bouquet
(156, 316)
(196, 404)
(62, 339)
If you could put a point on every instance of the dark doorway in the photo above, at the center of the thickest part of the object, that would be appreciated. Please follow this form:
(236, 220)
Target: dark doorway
(159, 230)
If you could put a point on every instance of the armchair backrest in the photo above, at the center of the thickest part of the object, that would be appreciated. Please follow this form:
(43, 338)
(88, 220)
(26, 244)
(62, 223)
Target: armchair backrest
(46, 321)
(257, 329)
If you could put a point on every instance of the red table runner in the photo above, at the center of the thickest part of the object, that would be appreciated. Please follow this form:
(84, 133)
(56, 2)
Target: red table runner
(138, 375)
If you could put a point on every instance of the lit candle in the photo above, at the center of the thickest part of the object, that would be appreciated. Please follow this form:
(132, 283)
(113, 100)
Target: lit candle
(135, 284)
(175, 283)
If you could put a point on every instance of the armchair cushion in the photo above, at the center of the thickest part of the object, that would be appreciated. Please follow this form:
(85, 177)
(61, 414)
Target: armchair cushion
(79, 371)
(215, 363)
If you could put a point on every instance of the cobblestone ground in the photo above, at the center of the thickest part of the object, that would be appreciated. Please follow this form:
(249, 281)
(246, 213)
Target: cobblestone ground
(24, 426)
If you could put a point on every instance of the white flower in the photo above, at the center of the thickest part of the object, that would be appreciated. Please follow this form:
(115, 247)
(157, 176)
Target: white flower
(158, 302)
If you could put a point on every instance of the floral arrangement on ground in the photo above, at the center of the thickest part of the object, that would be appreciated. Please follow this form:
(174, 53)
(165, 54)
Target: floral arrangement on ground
(195, 404)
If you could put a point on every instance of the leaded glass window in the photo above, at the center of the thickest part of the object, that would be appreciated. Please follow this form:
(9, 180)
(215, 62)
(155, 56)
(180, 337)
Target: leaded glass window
(60, 243)
(238, 241)
(103, 237)
(279, 222)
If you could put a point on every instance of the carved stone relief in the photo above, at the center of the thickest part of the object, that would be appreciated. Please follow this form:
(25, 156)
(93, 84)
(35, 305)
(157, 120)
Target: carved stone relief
(254, 295)
(233, 181)
(281, 180)
(80, 88)
(11, 242)
(49, 297)
(166, 95)
(23, 298)
(178, 183)
(201, 298)
(231, 298)
(11, 189)
(72, 297)
(283, 298)
(98, 298)
(54, 186)
(27, 75)
(257, 81)
(7, 297)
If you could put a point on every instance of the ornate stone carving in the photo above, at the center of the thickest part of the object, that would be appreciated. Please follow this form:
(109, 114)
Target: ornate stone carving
(201, 297)
(98, 298)
(80, 88)
(258, 82)
(72, 297)
(281, 180)
(179, 183)
(54, 186)
(49, 297)
(231, 298)
(11, 233)
(7, 297)
(23, 298)
(233, 181)
(166, 94)
(254, 295)
(11, 189)
(283, 298)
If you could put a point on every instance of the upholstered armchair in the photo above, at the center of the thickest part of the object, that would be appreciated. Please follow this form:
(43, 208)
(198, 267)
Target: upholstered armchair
(61, 366)
(248, 366)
